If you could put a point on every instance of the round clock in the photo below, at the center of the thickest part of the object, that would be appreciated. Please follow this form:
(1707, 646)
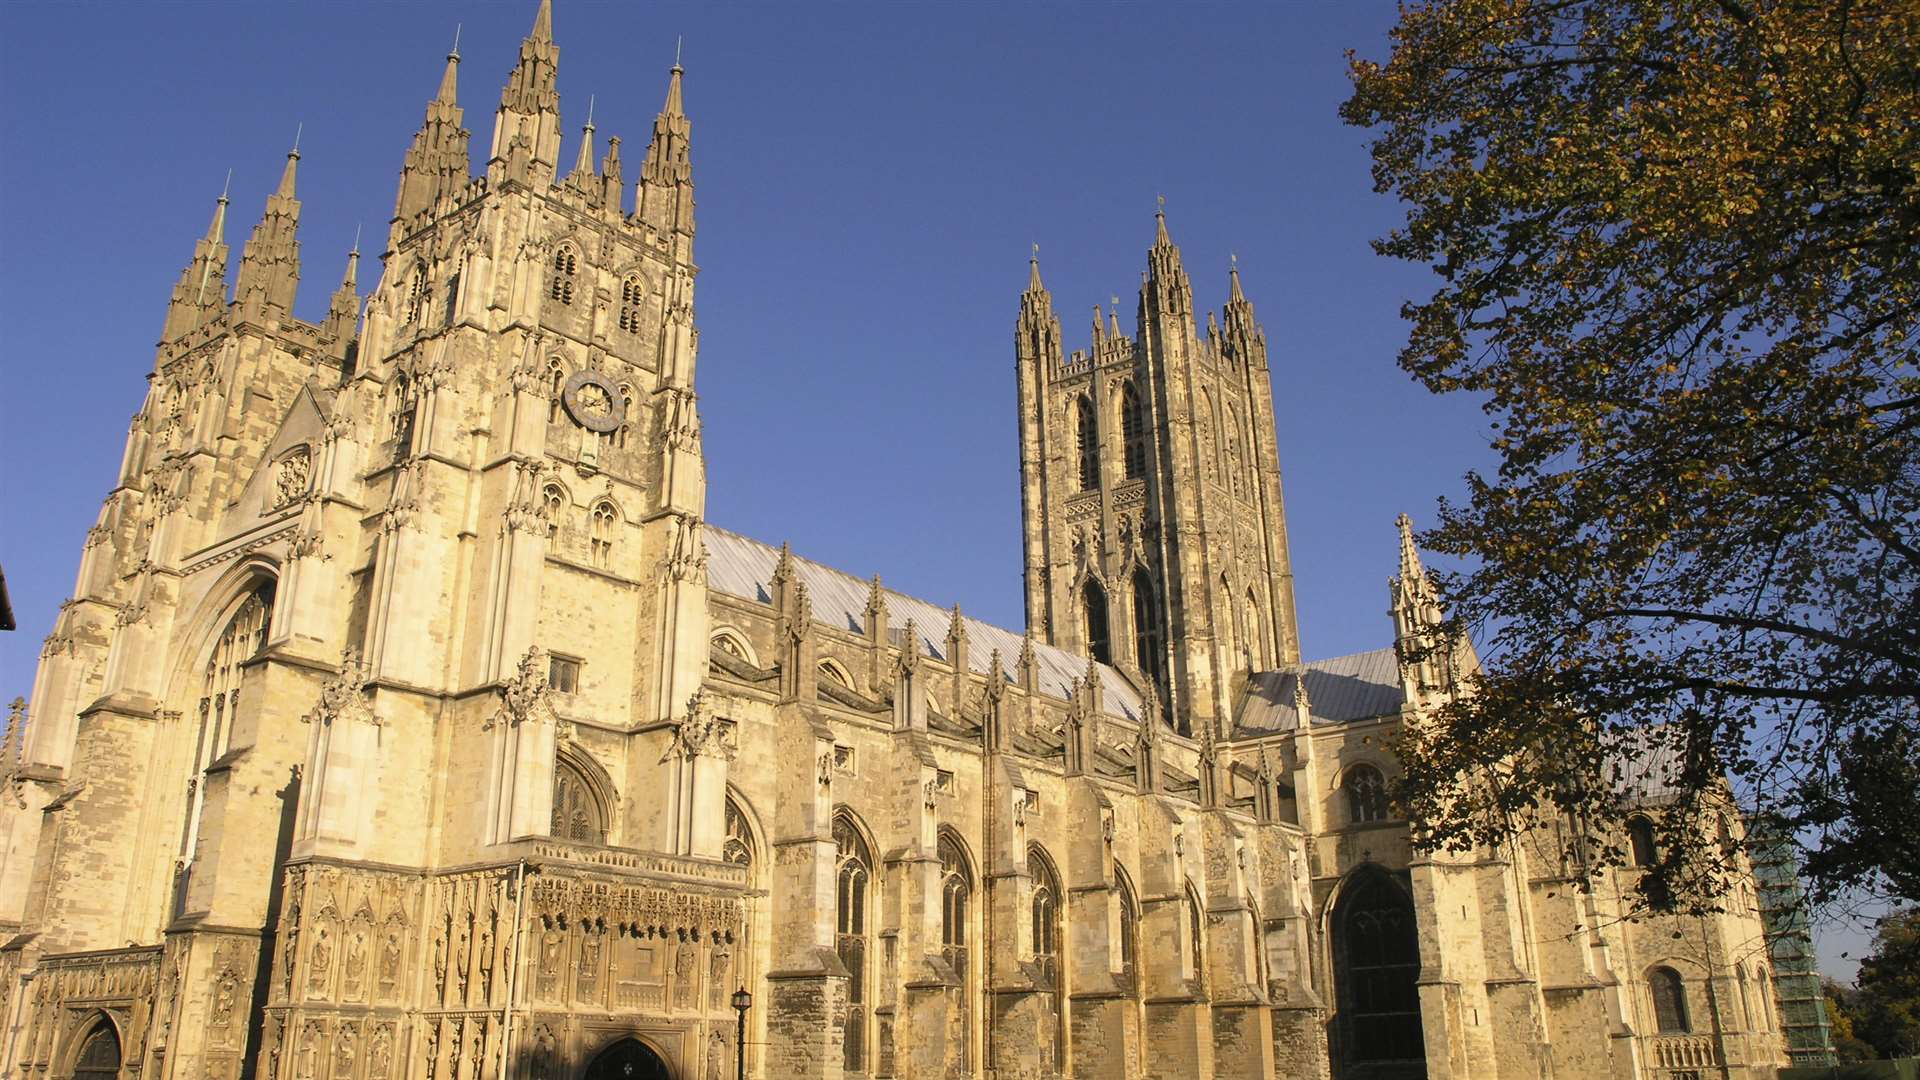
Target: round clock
(593, 402)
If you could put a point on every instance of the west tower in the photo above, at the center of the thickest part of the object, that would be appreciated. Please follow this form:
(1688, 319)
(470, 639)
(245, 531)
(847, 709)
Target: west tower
(1150, 491)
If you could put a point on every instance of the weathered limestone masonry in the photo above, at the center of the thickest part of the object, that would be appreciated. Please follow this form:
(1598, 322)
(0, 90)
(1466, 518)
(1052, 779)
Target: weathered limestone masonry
(408, 721)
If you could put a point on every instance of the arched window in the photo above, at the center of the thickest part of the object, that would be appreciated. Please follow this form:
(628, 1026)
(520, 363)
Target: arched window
(553, 501)
(239, 641)
(577, 813)
(99, 1057)
(417, 298)
(400, 409)
(1133, 431)
(1045, 928)
(1147, 650)
(1259, 945)
(631, 293)
(452, 310)
(1376, 955)
(1366, 794)
(556, 389)
(832, 672)
(1129, 929)
(854, 873)
(605, 517)
(1196, 936)
(956, 899)
(565, 265)
(1256, 633)
(739, 848)
(1763, 984)
(1669, 995)
(1640, 842)
(1093, 603)
(1089, 444)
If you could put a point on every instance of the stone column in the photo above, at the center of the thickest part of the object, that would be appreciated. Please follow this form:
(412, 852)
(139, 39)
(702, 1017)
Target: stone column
(807, 1011)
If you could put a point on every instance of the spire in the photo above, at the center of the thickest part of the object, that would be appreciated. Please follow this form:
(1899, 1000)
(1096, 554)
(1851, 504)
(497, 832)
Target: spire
(343, 311)
(613, 189)
(1234, 295)
(583, 162)
(1160, 237)
(666, 176)
(202, 289)
(1034, 284)
(270, 263)
(1167, 285)
(436, 165)
(526, 129)
(1036, 305)
(1410, 568)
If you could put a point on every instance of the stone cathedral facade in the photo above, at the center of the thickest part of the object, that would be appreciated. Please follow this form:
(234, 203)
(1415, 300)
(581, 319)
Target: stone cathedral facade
(409, 722)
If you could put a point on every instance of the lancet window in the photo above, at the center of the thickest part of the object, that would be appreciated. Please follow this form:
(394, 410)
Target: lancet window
(854, 874)
(631, 293)
(626, 417)
(1196, 936)
(601, 530)
(240, 640)
(1376, 956)
(556, 387)
(739, 847)
(1093, 603)
(1133, 431)
(553, 501)
(956, 900)
(1045, 914)
(1640, 839)
(565, 266)
(1147, 649)
(1088, 430)
(1129, 930)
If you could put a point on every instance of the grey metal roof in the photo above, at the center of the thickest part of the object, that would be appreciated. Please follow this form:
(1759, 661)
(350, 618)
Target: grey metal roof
(742, 567)
(1360, 686)
(1646, 764)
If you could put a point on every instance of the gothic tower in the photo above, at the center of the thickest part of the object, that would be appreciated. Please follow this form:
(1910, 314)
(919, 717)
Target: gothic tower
(1150, 480)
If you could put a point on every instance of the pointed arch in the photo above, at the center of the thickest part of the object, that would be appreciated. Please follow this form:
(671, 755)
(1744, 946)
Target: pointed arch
(1087, 441)
(1667, 994)
(1127, 905)
(626, 417)
(603, 523)
(956, 929)
(1196, 958)
(1641, 846)
(554, 501)
(835, 672)
(582, 798)
(1133, 430)
(97, 1054)
(733, 643)
(1149, 651)
(1376, 963)
(402, 404)
(742, 846)
(632, 292)
(1256, 632)
(853, 880)
(1366, 791)
(566, 264)
(1094, 624)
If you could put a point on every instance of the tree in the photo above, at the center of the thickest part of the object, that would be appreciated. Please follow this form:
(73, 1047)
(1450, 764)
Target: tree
(1886, 1008)
(1678, 251)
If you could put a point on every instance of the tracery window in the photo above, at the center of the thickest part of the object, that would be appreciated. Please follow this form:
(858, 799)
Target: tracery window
(1196, 936)
(631, 293)
(1366, 794)
(401, 409)
(1640, 842)
(1133, 431)
(1045, 927)
(956, 896)
(1376, 972)
(242, 638)
(605, 517)
(577, 813)
(1669, 993)
(554, 499)
(1094, 608)
(564, 268)
(1129, 930)
(1088, 430)
(739, 847)
(853, 874)
(1147, 650)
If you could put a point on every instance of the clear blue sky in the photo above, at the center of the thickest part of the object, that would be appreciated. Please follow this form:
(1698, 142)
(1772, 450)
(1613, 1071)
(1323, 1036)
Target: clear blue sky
(870, 178)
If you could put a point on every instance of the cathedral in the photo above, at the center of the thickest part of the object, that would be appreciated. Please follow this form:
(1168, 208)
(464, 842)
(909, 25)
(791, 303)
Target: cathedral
(408, 720)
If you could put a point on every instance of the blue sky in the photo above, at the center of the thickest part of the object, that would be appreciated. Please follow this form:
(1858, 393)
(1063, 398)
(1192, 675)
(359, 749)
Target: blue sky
(870, 179)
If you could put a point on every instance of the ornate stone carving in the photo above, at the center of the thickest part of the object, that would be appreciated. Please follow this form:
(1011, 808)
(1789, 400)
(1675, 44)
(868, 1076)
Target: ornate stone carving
(526, 696)
(344, 696)
(291, 476)
(700, 733)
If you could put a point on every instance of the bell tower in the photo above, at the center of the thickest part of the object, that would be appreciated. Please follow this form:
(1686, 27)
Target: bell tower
(1150, 491)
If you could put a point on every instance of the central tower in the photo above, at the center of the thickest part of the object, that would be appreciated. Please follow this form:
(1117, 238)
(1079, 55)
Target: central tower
(1150, 492)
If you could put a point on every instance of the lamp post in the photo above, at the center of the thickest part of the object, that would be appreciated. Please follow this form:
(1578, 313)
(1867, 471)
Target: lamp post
(742, 1001)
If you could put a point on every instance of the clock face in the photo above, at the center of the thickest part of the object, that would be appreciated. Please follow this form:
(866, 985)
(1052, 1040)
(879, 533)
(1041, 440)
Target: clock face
(593, 402)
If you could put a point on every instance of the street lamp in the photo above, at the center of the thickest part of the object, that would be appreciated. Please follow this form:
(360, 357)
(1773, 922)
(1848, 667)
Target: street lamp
(742, 1001)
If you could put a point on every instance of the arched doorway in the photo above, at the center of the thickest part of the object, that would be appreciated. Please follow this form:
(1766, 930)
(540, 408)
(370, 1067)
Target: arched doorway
(99, 1057)
(628, 1059)
(1376, 957)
